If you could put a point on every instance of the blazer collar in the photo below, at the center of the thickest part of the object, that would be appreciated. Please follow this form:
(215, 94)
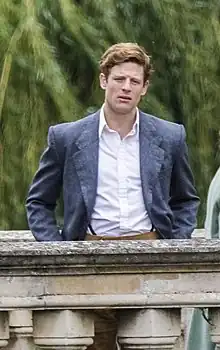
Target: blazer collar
(90, 130)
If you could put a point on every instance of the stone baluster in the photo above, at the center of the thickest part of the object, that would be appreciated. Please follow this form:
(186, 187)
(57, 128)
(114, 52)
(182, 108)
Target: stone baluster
(63, 329)
(4, 329)
(155, 329)
(214, 316)
(21, 329)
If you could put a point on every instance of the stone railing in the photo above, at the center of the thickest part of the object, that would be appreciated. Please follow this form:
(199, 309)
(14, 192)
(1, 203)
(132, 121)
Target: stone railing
(48, 291)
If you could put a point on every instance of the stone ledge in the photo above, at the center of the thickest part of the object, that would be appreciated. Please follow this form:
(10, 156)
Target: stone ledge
(125, 255)
(14, 236)
(128, 247)
(120, 301)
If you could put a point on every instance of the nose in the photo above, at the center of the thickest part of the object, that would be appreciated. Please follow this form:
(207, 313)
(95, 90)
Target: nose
(127, 85)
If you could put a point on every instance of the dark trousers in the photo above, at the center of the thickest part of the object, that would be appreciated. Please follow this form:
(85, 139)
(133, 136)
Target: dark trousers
(106, 324)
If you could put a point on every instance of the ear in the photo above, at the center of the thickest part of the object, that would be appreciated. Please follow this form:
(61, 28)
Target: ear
(145, 88)
(102, 81)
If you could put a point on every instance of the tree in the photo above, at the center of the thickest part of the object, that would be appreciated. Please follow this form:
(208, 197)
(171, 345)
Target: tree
(183, 39)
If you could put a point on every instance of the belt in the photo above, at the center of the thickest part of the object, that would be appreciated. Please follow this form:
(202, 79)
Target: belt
(142, 236)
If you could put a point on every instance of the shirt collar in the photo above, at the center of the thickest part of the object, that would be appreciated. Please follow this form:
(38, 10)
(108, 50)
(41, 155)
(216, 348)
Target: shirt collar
(103, 124)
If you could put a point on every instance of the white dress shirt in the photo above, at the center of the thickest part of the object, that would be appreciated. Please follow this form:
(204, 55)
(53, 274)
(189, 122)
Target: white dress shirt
(119, 208)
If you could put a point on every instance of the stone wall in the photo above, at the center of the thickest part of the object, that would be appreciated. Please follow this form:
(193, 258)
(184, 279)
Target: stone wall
(151, 284)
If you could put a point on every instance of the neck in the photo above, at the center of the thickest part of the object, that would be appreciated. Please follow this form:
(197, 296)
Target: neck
(122, 123)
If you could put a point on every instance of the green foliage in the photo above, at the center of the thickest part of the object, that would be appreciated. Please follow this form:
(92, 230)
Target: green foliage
(49, 53)
(34, 93)
(183, 38)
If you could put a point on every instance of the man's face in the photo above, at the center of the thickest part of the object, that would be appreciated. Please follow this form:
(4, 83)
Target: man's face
(124, 87)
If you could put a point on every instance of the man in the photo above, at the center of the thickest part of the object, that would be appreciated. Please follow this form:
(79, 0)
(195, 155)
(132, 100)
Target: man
(124, 173)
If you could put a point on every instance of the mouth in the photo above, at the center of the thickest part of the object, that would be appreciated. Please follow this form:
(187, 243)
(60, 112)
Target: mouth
(123, 98)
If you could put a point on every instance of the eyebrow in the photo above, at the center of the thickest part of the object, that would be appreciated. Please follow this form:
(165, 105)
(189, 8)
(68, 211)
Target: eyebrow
(123, 76)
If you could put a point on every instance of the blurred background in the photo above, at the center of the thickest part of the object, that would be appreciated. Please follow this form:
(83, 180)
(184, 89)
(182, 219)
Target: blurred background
(49, 54)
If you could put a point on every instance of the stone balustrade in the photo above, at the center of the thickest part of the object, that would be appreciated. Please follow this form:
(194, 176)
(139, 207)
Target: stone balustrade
(49, 291)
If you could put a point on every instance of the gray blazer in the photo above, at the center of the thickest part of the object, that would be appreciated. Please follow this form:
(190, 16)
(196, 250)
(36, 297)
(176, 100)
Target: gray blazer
(70, 164)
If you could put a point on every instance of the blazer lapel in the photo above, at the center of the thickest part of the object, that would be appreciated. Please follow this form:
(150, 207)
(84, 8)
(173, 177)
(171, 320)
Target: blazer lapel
(151, 156)
(86, 160)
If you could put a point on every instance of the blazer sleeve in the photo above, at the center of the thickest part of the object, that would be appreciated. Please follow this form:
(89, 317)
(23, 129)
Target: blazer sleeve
(184, 201)
(43, 194)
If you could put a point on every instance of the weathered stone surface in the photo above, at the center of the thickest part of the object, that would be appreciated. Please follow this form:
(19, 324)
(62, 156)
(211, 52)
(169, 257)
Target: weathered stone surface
(46, 278)
(13, 236)
(159, 253)
(116, 273)
(214, 315)
(149, 329)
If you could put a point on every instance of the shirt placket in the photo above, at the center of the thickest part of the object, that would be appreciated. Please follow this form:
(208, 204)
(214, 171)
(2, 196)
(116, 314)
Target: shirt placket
(122, 186)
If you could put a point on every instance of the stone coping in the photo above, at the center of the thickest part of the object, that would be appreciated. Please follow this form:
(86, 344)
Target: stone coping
(21, 235)
(159, 253)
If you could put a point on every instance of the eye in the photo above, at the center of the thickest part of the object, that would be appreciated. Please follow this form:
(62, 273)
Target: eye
(135, 82)
(119, 78)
